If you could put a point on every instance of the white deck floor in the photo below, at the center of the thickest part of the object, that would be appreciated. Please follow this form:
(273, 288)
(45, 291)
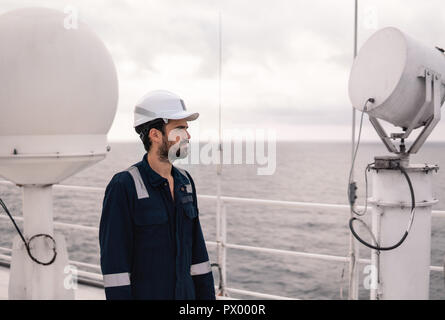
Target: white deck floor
(83, 292)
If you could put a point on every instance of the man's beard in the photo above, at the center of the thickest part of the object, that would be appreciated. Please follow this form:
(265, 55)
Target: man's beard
(170, 151)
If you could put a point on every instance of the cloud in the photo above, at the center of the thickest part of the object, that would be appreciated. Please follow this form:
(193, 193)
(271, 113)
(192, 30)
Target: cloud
(283, 61)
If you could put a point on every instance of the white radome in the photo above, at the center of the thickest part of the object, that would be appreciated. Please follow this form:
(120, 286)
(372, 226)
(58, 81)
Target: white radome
(58, 96)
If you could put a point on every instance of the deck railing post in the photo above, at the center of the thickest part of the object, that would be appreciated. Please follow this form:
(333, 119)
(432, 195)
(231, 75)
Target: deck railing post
(223, 249)
(221, 239)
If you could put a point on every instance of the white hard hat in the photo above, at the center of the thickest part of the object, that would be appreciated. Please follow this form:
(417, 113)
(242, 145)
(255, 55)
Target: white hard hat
(161, 104)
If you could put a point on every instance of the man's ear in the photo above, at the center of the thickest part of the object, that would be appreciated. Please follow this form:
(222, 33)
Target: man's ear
(155, 135)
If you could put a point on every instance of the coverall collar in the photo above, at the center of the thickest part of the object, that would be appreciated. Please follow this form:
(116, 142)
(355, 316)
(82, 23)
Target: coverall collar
(155, 179)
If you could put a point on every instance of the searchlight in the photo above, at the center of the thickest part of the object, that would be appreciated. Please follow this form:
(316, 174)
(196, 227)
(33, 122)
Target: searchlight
(398, 79)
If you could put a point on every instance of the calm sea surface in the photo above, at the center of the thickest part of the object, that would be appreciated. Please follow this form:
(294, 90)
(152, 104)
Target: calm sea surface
(314, 172)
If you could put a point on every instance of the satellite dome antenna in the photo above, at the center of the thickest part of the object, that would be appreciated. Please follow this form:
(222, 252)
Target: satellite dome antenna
(398, 79)
(58, 99)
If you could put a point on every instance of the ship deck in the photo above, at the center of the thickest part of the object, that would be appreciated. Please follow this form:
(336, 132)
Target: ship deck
(83, 292)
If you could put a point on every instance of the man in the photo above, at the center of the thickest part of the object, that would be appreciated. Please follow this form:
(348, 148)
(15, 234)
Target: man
(151, 242)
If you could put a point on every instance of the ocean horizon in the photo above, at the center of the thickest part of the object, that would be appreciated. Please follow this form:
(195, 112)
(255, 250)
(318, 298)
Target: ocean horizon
(304, 172)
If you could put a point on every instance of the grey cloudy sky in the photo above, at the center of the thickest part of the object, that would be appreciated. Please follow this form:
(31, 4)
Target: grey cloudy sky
(285, 63)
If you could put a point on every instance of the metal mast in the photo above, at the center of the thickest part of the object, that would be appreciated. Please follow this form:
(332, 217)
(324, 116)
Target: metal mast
(353, 247)
(220, 209)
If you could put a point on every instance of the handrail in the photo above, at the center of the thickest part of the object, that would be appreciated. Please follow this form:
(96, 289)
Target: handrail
(325, 257)
(258, 294)
(302, 254)
(436, 213)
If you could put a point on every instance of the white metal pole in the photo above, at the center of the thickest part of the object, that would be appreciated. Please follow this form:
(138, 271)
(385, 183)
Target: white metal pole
(219, 217)
(223, 247)
(29, 279)
(353, 246)
(38, 218)
(37, 210)
(404, 271)
(375, 261)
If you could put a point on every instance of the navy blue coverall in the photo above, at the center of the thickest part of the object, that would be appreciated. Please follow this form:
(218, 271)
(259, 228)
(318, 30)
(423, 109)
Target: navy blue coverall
(151, 246)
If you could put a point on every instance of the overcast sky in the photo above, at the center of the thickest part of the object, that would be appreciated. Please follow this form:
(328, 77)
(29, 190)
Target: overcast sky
(285, 63)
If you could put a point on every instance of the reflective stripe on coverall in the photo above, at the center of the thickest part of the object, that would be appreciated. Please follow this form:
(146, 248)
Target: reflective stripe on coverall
(151, 246)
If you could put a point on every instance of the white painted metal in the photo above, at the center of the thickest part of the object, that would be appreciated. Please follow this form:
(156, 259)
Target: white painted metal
(224, 298)
(58, 99)
(29, 280)
(403, 272)
(354, 249)
(375, 255)
(259, 295)
(297, 204)
(432, 104)
(72, 262)
(387, 69)
(58, 96)
(48, 169)
(223, 248)
(220, 209)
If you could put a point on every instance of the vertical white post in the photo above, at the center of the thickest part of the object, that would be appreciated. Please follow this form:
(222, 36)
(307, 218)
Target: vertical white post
(218, 232)
(353, 247)
(223, 248)
(220, 210)
(37, 210)
(221, 243)
(38, 218)
(404, 271)
(28, 279)
(375, 261)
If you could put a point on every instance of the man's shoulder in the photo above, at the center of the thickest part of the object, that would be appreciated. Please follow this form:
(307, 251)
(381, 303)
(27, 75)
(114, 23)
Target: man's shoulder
(123, 178)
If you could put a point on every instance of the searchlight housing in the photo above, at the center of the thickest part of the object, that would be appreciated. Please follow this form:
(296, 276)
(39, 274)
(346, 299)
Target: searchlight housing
(398, 79)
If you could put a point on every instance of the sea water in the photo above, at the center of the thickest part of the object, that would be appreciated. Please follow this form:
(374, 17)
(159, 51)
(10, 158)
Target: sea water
(311, 172)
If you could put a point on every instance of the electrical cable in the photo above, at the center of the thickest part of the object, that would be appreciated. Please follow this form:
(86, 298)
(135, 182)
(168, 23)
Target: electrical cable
(352, 197)
(27, 243)
(410, 222)
(352, 187)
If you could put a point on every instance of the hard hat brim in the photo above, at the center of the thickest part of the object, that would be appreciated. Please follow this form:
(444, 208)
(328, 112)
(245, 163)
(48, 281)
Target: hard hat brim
(189, 116)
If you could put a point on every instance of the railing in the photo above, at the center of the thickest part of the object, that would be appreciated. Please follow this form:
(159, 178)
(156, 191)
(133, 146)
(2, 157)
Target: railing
(221, 243)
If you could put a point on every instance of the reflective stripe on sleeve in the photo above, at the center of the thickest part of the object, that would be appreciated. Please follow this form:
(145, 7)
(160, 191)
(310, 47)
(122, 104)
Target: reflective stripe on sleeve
(200, 268)
(116, 279)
